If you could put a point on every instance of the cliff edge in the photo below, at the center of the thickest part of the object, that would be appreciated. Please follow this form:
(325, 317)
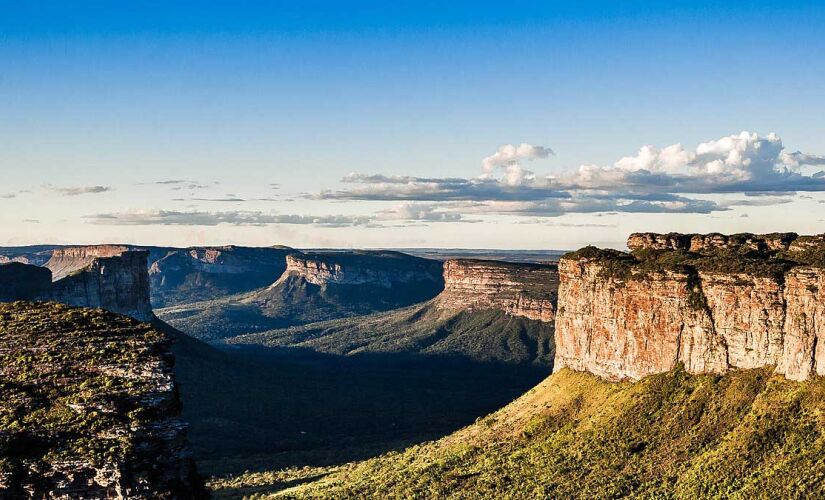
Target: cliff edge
(711, 302)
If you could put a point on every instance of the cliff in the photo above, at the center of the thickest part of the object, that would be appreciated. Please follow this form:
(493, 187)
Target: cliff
(373, 268)
(68, 260)
(179, 276)
(88, 407)
(118, 283)
(710, 302)
(527, 290)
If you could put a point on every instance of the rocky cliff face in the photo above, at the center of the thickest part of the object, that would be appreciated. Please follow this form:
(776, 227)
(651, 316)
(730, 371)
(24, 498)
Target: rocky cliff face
(720, 303)
(180, 276)
(68, 260)
(381, 269)
(117, 283)
(88, 407)
(527, 290)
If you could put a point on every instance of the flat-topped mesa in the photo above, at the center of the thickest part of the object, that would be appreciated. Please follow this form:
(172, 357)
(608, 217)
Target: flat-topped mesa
(23, 281)
(765, 243)
(527, 290)
(118, 283)
(362, 267)
(184, 275)
(65, 261)
(626, 316)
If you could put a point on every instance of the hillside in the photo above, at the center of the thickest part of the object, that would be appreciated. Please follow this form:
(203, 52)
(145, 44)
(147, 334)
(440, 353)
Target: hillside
(746, 434)
(88, 407)
(314, 287)
(481, 335)
(256, 407)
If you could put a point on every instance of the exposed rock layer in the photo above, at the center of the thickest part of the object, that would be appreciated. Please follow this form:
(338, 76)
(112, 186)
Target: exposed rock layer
(69, 260)
(384, 269)
(88, 407)
(117, 282)
(527, 290)
(624, 317)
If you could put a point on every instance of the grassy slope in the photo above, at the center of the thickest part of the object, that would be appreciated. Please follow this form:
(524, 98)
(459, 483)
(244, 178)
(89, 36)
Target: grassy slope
(292, 301)
(747, 434)
(425, 329)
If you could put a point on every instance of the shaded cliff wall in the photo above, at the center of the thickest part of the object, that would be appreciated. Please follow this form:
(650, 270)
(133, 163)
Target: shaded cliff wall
(23, 281)
(527, 290)
(627, 317)
(119, 284)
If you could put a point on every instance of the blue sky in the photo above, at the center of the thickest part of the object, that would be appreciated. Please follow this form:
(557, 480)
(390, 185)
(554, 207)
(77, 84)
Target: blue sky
(105, 108)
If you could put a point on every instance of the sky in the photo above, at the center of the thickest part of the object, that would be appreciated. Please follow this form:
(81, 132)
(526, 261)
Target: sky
(520, 125)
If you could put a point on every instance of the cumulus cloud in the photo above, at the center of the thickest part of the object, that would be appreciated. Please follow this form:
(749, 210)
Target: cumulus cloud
(76, 191)
(236, 218)
(671, 179)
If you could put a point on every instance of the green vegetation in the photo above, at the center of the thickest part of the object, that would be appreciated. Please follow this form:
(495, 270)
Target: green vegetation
(641, 264)
(483, 335)
(291, 301)
(747, 434)
(74, 386)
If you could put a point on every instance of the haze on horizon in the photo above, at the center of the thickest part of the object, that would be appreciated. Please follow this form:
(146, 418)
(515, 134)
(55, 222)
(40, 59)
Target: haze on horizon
(543, 125)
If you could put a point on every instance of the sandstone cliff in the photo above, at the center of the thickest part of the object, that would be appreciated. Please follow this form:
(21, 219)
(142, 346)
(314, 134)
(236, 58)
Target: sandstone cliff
(118, 283)
(179, 276)
(527, 290)
(373, 268)
(711, 302)
(88, 407)
(68, 260)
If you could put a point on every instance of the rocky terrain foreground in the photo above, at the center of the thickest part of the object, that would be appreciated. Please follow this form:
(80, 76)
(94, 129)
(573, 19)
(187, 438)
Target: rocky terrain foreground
(88, 407)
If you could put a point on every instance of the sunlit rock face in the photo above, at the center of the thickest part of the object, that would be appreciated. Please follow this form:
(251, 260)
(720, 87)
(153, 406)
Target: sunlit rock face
(527, 290)
(382, 269)
(718, 304)
(69, 260)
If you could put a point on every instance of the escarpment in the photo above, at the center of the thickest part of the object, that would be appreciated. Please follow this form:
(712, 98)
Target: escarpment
(711, 302)
(109, 278)
(527, 290)
(185, 275)
(88, 407)
(69, 260)
(374, 268)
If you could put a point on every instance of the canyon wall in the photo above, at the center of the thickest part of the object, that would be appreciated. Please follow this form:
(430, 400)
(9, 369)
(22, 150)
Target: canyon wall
(118, 283)
(710, 302)
(185, 275)
(527, 290)
(68, 260)
(374, 268)
(107, 279)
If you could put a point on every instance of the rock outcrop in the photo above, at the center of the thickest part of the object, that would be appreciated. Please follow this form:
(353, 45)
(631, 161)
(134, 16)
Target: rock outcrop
(107, 279)
(373, 268)
(118, 283)
(23, 282)
(723, 302)
(69, 260)
(527, 290)
(186, 275)
(88, 407)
